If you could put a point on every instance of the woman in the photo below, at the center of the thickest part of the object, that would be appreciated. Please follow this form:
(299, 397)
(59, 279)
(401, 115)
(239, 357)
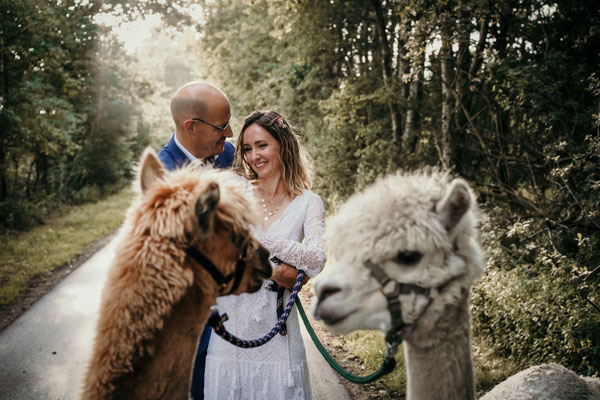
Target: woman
(279, 176)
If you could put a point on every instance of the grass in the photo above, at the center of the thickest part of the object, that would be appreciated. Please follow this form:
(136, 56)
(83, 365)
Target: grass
(29, 254)
(490, 369)
(369, 348)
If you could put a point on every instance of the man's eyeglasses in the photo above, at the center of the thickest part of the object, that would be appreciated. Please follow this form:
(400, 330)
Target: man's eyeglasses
(221, 128)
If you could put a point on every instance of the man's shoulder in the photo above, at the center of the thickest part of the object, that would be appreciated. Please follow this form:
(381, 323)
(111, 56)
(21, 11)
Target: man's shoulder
(229, 148)
(225, 159)
(166, 157)
(171, 156)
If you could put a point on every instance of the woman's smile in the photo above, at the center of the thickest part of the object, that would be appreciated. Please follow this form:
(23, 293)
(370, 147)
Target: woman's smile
(260, 164)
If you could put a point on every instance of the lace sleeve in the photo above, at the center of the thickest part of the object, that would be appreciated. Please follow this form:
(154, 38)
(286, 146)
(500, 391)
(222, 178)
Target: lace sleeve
(309, 255)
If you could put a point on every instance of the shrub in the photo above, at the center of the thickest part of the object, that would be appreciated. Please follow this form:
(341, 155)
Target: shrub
(530, 304)
(17, 215)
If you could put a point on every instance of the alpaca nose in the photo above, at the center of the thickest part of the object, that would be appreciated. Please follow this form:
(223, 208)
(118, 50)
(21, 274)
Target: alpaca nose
(324, 289)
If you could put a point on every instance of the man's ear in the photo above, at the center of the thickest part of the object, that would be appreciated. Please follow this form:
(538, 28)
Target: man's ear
(188, 125)
(455, 204)
(206, 205)
(151, 169)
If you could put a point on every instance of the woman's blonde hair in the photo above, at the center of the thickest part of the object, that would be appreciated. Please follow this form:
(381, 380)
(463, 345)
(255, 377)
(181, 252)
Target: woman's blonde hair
(296, 164)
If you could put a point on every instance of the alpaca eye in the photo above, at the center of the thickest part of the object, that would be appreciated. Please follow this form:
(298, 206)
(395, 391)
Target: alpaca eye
(408, 257)
(238, 240)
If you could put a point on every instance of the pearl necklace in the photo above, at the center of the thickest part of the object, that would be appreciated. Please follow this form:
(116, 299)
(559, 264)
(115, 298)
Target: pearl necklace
(269, 214)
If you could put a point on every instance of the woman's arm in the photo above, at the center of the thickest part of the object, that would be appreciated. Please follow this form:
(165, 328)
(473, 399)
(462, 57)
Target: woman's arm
(309, 255)
(285, 275)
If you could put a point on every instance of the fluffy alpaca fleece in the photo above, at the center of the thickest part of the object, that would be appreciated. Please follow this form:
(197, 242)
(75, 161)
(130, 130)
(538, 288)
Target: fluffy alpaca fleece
(426, 214)
(156, 300)
(421, 228)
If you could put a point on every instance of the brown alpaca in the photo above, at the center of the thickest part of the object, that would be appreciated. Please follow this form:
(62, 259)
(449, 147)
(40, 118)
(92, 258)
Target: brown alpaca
(156, 300)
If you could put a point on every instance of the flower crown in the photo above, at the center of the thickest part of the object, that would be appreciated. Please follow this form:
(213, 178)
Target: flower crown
(280, 122)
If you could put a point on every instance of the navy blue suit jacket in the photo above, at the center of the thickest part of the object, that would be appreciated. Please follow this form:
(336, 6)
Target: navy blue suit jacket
(172, 157)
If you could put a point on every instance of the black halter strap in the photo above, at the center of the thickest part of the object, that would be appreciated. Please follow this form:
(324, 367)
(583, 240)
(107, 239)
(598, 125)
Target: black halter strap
(219, 278)
(392, 290)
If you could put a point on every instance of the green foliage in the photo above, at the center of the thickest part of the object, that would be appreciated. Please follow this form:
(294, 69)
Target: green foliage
(530, 305)
(68, 111)
(518, 118)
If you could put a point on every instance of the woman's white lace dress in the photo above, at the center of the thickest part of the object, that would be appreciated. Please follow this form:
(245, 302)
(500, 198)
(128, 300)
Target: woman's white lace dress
(278, 369)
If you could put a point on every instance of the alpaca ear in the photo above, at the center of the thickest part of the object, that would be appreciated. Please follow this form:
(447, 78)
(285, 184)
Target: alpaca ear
(455, 204)
(206, 204)
(151, 169)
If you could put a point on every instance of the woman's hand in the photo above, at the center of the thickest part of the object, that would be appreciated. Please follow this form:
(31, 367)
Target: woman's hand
(285, 275)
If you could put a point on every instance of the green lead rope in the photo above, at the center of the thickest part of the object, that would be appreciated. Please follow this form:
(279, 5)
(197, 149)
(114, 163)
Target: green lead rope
(388, 364)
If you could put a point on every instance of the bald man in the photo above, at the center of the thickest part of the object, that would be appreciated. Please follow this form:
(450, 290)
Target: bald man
(201, 114)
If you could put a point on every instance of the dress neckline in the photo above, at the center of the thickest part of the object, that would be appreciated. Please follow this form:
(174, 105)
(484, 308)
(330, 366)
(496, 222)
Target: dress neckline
(282, 213)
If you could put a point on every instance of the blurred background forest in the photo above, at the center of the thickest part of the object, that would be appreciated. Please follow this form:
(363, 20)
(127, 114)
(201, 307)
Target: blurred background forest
(505, 93)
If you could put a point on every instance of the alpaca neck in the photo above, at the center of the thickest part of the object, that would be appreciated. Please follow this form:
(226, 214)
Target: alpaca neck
(166, 372)
(443, 370)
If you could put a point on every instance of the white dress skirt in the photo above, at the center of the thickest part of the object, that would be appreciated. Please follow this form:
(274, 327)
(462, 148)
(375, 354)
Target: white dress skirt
(277, 369)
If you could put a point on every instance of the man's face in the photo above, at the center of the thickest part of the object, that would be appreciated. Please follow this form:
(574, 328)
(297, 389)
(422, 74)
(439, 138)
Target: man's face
(207, 140)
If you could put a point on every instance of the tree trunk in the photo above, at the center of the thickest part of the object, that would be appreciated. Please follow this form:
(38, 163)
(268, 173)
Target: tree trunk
(3, 125)
(403, 67)
(447, 106)
(386, 70)
(363, 47)
(413, 115)
(461, 78)
(3, 182)
(461, 86)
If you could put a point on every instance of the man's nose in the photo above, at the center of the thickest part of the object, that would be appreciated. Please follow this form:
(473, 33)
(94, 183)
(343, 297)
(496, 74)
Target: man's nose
(228, 132)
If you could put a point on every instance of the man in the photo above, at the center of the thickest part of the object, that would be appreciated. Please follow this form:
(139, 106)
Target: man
(201, 114)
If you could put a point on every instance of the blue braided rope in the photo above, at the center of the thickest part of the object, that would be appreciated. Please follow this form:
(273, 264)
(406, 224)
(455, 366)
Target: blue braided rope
(216, 321)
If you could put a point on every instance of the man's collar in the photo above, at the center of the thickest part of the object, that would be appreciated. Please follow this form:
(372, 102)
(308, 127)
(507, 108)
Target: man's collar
(209, 161)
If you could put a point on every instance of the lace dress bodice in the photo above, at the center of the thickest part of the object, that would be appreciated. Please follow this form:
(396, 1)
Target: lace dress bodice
(278, 369)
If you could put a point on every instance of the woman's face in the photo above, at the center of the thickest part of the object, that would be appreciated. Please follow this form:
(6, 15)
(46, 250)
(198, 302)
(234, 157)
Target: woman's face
(261, 152)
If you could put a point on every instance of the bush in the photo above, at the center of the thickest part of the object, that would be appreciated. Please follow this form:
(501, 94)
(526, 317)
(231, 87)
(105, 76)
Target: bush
(86, 194)
(530, 304)
(17, 215)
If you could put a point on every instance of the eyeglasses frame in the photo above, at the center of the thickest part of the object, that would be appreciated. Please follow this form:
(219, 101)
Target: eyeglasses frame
(222, 129)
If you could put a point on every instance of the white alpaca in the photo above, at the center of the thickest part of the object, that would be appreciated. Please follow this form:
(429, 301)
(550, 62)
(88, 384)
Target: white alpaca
(420, 230)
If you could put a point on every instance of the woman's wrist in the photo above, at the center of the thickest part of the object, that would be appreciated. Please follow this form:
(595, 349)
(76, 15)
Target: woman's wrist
(277, 273)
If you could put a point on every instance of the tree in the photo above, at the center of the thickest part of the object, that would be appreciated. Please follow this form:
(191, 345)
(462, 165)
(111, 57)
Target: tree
(503, 93)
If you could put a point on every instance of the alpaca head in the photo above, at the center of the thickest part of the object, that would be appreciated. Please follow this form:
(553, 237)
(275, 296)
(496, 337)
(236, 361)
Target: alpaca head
(420, 229)
(206, 211)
